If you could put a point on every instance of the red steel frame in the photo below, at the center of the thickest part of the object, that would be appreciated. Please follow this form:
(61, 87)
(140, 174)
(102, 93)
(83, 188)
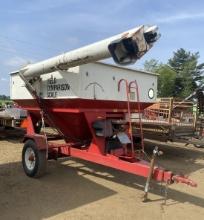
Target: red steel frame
(95, 151)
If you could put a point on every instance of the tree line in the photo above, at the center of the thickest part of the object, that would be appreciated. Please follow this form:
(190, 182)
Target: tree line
(180, 76)
(4, 97)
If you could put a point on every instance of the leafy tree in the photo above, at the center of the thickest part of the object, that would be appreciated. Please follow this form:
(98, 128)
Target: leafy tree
(180, 76)
(189, 74)
(166, 81)
(4, 97)
(151, 65)
(166, 78)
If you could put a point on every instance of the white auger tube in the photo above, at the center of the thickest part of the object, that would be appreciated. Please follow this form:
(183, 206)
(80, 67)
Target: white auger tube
(124, 48)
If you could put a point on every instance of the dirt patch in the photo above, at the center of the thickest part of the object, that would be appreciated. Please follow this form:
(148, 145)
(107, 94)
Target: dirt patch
(75, 189)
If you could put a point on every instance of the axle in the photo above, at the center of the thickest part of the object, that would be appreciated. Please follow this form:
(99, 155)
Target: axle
(116, 159)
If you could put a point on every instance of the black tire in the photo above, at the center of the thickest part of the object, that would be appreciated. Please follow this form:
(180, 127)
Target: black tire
(40, 160)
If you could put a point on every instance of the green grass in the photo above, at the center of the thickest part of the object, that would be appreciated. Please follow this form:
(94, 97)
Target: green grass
(3, 102)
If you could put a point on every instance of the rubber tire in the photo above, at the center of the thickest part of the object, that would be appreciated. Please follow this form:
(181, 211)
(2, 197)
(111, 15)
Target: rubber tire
(40, 161)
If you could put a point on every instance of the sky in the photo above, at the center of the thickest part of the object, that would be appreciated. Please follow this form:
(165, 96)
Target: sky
(35, 30)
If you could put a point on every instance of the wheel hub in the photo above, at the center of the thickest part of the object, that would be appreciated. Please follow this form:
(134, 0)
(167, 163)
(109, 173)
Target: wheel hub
(30, 158)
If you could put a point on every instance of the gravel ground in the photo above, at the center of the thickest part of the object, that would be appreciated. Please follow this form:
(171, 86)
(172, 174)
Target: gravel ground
(75, 189)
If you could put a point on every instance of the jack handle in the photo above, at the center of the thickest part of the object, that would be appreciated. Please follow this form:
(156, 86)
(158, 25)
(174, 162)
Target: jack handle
(156, 153)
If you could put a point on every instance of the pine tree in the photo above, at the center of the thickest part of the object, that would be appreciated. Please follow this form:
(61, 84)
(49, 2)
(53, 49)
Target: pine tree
(189, 74)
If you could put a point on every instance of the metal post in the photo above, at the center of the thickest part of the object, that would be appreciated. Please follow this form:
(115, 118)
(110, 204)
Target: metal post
(170, 110)
(156, 152)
